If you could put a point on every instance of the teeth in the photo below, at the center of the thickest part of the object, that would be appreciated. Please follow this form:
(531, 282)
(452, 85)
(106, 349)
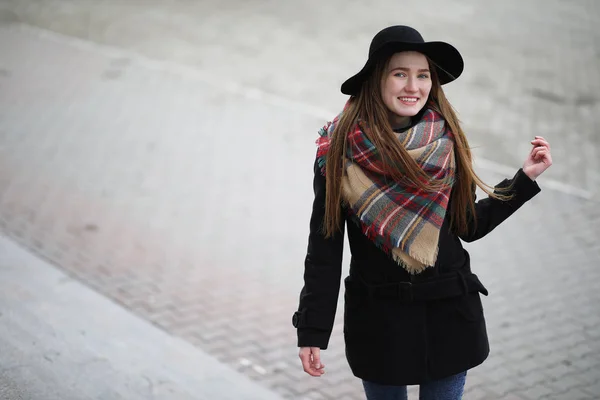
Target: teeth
(411, 99)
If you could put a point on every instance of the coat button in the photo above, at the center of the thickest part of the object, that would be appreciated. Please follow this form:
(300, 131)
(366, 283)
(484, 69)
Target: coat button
(295, 319)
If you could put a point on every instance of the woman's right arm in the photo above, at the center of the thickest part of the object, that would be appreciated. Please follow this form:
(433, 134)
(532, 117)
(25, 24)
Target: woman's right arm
(322, 274)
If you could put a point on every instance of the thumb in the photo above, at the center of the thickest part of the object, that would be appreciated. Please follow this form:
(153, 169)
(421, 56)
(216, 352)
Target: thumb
(316, 357)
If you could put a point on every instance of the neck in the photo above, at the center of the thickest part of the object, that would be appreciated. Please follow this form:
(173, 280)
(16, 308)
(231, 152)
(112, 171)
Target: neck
(398, 122)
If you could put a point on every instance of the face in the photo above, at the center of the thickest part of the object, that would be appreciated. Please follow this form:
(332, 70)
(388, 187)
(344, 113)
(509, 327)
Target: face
(405, 86)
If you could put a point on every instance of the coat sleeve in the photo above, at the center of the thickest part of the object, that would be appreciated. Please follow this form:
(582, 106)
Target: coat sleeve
(322, 274)
(491, 212)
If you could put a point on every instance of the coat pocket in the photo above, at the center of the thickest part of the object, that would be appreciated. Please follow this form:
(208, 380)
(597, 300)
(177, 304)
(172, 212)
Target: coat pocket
(469, 307)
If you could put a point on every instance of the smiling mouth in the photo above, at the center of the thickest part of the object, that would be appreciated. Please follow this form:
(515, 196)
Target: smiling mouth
(408, 100)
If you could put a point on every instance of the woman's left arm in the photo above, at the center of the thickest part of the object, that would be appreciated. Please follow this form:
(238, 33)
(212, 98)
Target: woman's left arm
(491, 212)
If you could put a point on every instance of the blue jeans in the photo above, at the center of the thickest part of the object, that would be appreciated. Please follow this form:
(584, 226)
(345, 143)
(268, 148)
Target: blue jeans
(450, 388)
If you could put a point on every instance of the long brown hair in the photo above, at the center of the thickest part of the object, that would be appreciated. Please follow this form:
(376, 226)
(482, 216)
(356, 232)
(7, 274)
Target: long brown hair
(399, 165)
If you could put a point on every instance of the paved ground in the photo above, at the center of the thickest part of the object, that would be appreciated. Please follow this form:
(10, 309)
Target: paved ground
(531, 67)
(59, 339)
(112, 165)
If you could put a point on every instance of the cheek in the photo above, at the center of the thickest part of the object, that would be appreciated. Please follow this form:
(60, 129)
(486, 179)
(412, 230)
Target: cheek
(387, 89)
(388, 100)
(387, 94)
(426, 90)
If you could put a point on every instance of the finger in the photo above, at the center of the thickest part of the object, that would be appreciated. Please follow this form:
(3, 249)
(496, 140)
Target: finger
(541, 155)
(545, 159)
(316, 361)
(544, 155)
(316, 356)
(532, 151)
(536, 151)
(306, 365)
(540, 142)
(540, 148)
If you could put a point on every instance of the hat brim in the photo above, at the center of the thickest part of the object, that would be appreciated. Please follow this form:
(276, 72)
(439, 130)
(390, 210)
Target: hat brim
(447, 59)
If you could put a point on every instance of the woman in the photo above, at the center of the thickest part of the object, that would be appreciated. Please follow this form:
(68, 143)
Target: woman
(396, 166)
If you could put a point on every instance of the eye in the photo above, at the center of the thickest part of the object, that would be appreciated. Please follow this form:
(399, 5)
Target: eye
(424, 76)
(400, 74)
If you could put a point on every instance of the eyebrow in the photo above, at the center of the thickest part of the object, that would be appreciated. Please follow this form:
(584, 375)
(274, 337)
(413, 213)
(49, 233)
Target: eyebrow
(408, 69)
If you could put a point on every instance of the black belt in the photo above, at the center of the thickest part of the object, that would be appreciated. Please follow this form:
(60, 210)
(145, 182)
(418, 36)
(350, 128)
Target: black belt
(456, 284)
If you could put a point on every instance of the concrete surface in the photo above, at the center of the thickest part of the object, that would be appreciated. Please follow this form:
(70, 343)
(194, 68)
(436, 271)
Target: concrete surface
(530, 66)
(59, 339)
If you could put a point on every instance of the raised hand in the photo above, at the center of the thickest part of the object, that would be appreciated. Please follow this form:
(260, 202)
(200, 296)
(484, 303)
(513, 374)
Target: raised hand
(539, 159)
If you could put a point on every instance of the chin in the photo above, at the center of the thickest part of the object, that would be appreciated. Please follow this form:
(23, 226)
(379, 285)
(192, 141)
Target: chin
(408, 113)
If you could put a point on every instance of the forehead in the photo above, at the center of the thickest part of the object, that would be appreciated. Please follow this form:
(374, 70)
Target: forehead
(408, 59)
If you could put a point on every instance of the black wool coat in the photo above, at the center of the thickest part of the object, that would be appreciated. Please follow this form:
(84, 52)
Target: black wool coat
(401, 329)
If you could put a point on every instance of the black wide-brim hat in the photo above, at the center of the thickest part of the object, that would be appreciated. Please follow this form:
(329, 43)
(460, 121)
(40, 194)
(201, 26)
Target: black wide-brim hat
(447, 60)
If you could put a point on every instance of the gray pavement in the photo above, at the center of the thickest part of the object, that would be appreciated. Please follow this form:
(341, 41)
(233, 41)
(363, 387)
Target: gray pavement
(531, 66)
(162, 183)
(59, 339)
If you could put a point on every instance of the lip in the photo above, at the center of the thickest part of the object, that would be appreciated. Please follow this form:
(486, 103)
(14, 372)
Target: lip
(408, 103)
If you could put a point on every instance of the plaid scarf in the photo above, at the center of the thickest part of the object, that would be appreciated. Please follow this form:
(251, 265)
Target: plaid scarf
(402, 220)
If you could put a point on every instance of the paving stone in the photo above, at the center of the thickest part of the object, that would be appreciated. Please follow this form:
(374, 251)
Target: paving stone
(52, 349)
(593, 389)
(536, 392)
(477, 393)
(573, 394)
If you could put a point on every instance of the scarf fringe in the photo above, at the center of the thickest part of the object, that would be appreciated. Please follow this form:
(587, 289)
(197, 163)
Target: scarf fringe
(379, 243)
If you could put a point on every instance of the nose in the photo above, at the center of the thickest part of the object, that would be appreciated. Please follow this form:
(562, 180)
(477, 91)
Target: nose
(411, 85)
